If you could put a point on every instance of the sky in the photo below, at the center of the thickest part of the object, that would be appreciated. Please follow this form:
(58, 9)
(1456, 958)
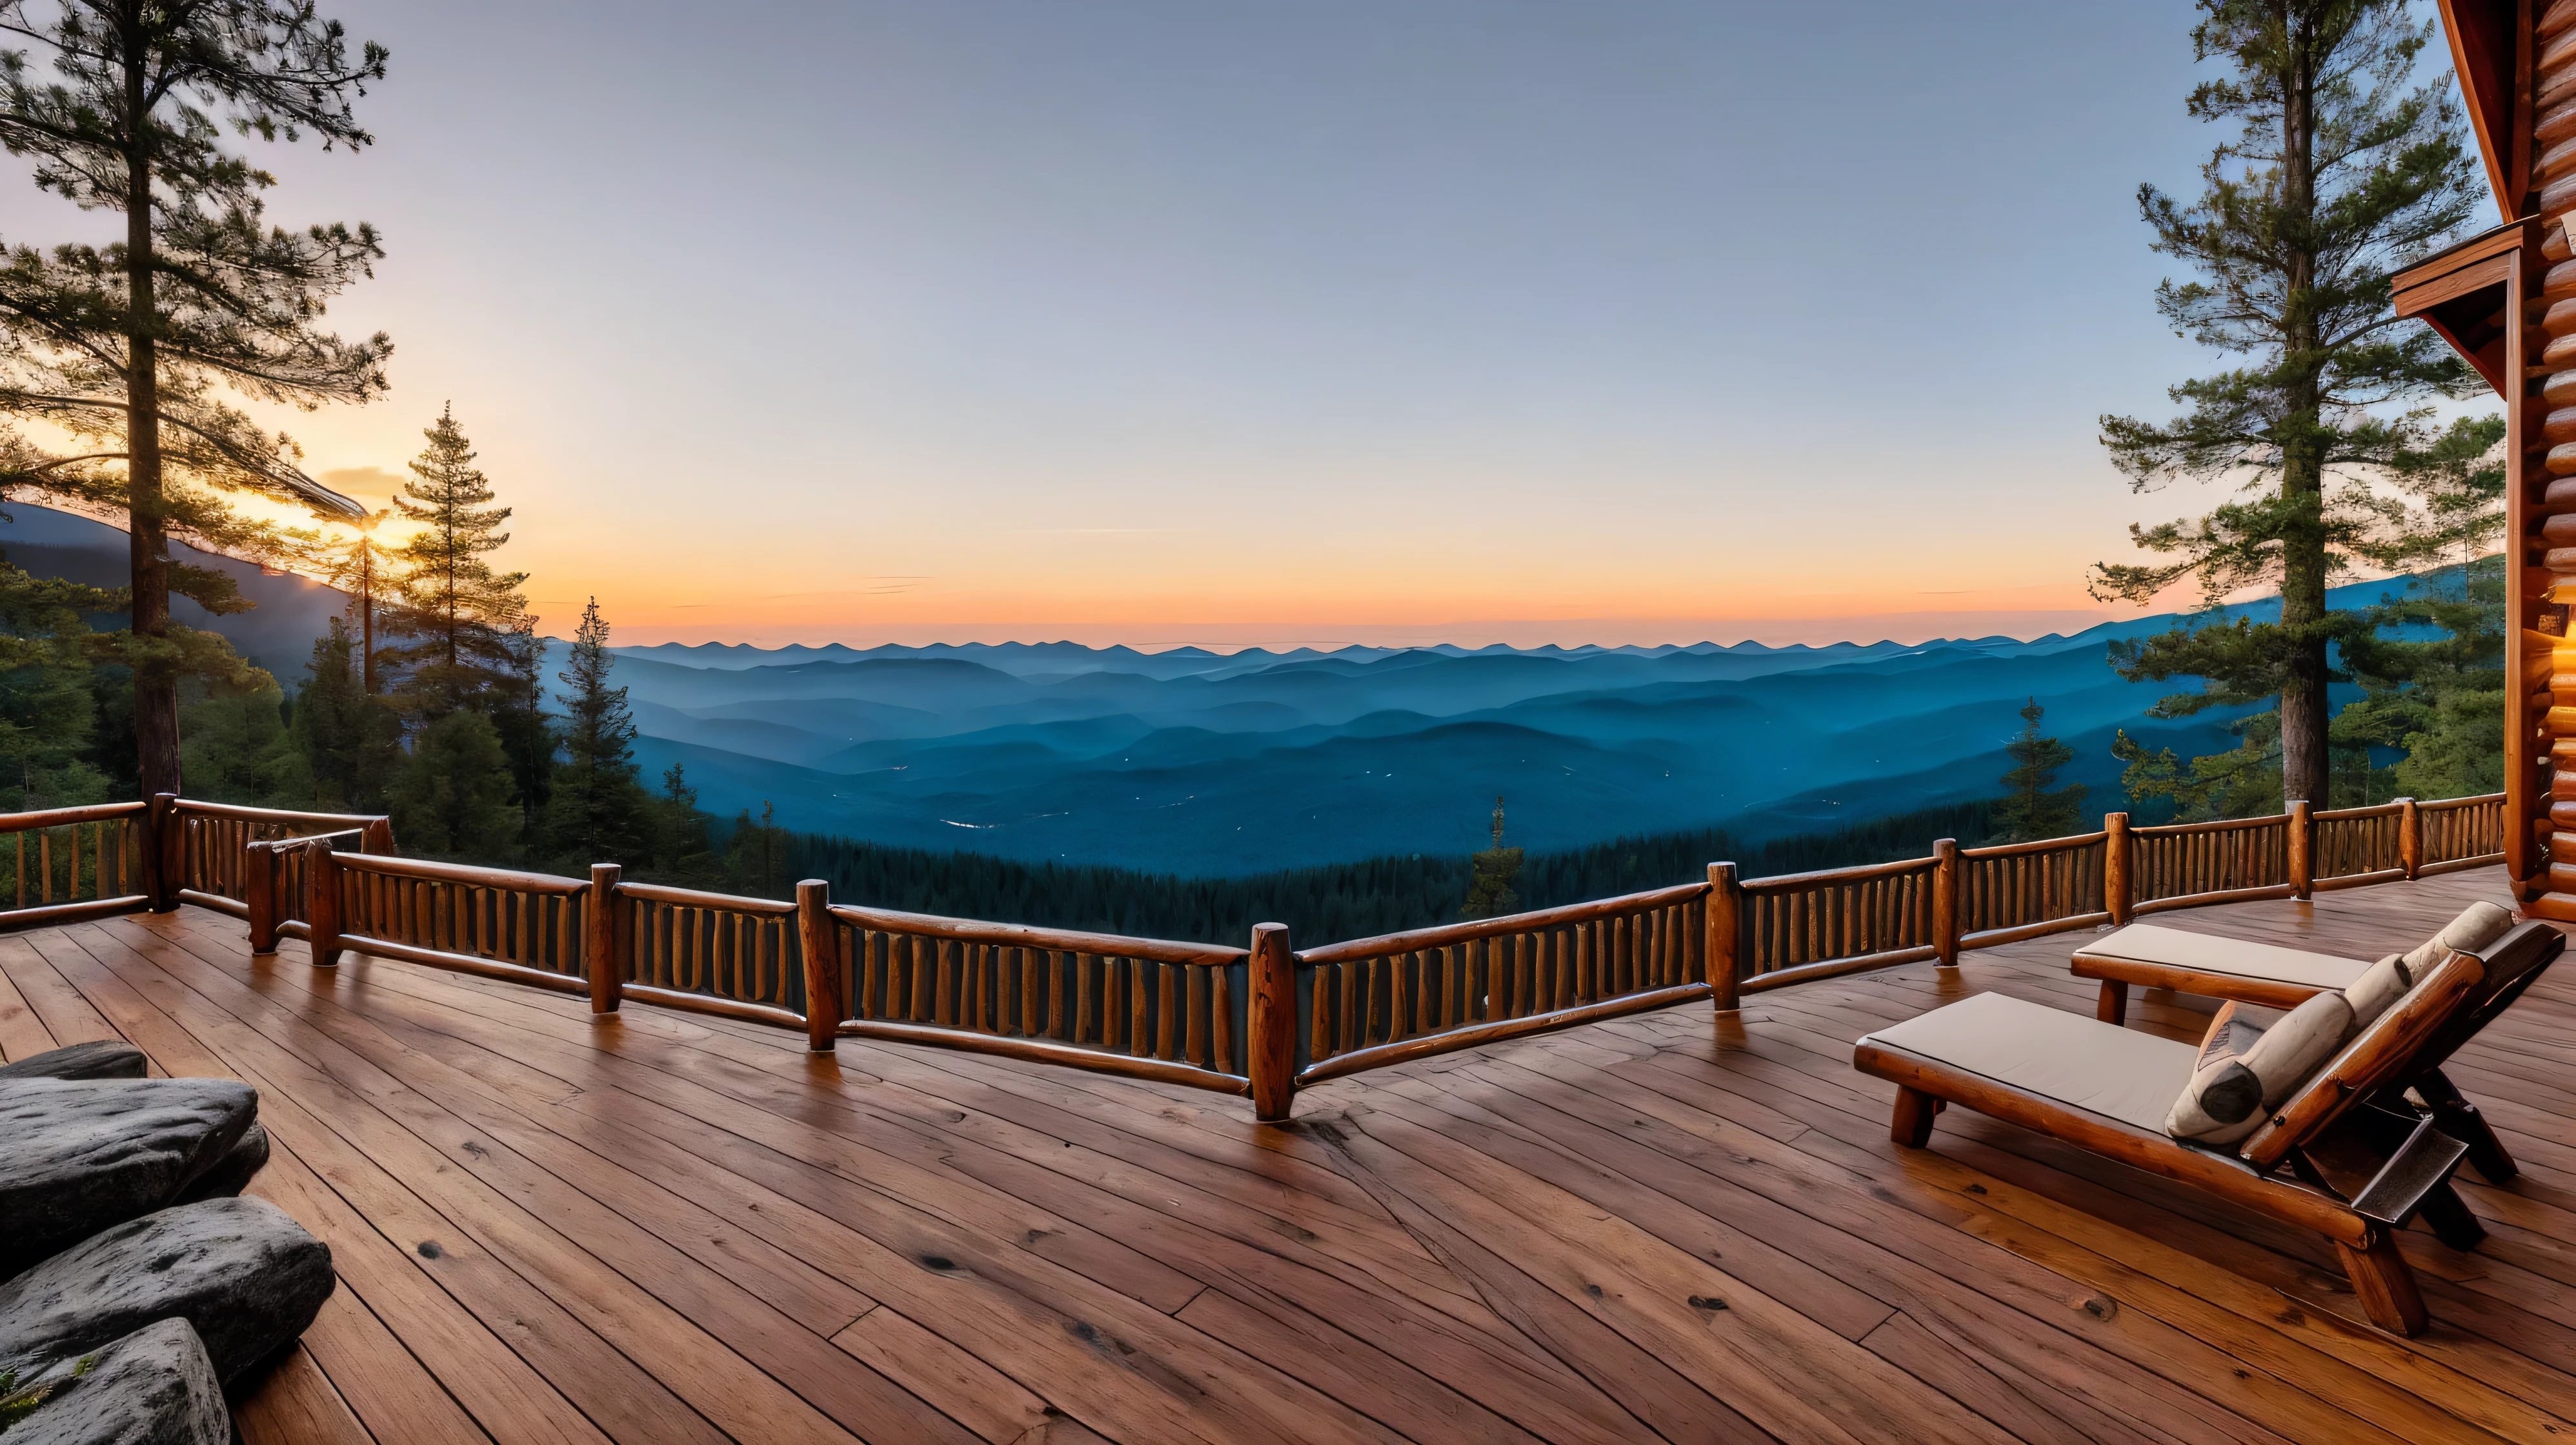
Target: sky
(1238, 322)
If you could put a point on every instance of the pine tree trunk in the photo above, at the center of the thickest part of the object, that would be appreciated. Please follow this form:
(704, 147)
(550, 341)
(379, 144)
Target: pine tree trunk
(2303, 549)
(156, 683)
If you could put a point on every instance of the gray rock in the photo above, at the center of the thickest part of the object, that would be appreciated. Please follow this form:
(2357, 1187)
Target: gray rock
(239, 1270)
(232, 1173)
(153, 1387)
(88, 1153)
(106, 1059)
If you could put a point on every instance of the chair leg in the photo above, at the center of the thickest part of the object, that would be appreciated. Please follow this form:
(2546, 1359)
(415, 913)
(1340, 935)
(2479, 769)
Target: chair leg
(1912, 1126)
(2114, 1008)
(2461, 1120)
(2449, 1217)
(2384, 1284)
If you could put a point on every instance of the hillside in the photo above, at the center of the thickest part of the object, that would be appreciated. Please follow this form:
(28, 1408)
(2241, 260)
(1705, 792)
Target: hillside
(1200, 764)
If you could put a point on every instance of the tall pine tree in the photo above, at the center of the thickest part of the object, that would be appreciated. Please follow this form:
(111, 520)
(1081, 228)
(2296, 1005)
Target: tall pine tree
(597, 812)
(2345, 165)
(2032, 806)
(127, 349)
(459, 613)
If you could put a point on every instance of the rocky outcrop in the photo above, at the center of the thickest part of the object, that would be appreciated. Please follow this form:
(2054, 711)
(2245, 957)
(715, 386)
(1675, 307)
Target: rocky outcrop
(85, 1154)
(242, 1273)
(108, 1059)
(153, 1387)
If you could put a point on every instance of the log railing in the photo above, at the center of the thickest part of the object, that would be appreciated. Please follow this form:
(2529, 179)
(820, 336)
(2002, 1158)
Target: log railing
(206, 852)
(1379, 1001)
(1262, 1021)
(708, 952)
(523, 927)
(2185, 865)
(2456, 833)
(1838, 920)
(74, 863)
(2013, 891)
(2352, 847)
(1150, 1008)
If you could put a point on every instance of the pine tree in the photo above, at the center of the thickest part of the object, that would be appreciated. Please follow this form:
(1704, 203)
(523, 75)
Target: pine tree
(454, 798)
(597, 811)
(460, 613)
(371, 577)
(351, 742)
(1489, 890)
(2032, 807)
(48, 713)
(2346, 166)
(680, 850)
(128, 348)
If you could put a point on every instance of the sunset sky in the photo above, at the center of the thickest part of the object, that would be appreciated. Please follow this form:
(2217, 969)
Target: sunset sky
(1240, 322)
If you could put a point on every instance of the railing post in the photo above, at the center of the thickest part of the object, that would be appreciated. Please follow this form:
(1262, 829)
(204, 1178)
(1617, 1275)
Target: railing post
(2116, 890)
(377, 837)
(2303, 832)
(2410, 837)
(322, 902)
(1946, 881)
(1271, 1057)
(599, 960)
(161, 851)
(816, 937)
(259, 884)
(1725, 909)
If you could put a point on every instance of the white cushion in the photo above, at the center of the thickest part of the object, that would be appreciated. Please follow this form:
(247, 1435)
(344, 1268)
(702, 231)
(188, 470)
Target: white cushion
(2379, 986)
(2245, 1070)
(2478, 925)
(2081, 1062)
(2229, 957)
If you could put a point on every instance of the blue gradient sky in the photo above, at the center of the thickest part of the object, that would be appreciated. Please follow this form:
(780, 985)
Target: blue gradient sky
(1266, 322)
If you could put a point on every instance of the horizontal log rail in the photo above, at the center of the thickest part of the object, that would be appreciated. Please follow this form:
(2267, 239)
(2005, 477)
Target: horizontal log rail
(206, 857)
(1428, 991)
(1262, 1021)
(1151, 1008)
(76, 863)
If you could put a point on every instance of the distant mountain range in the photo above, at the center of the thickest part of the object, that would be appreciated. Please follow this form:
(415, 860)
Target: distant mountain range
(1192, 762)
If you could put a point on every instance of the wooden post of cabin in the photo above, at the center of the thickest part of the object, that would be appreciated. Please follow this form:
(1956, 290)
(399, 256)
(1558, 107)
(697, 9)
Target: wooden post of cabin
(2410, 837)
(599, 961)
(2303, 836)
(2116, 891)
(1946, 881)
(377, 837)
(1271, 1056)
(161, 851)
(817, 939)
(1725, 934)
(259, 887)
(322, 902)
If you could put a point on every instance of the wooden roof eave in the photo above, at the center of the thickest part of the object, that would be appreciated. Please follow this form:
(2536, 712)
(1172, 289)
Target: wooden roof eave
(2483, 55)
(2460, 292)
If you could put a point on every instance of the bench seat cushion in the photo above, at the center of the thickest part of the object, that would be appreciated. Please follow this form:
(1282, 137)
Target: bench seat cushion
(2083, 1063)
(2204, 953)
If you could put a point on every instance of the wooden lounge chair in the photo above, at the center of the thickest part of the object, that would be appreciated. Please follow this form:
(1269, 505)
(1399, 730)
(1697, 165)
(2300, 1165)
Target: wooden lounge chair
(2359, 1169)
(2272, 977)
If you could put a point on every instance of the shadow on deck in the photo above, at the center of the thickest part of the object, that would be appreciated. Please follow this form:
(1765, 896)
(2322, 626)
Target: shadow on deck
(677, 1228)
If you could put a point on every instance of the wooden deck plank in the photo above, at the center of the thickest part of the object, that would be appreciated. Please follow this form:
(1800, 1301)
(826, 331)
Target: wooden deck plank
(673, 1227)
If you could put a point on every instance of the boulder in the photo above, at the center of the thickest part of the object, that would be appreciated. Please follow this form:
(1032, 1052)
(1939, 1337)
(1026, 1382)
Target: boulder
(232, 1173)
(244, 1274)
(106, 1059)
(84, 1154)
(153, 1387)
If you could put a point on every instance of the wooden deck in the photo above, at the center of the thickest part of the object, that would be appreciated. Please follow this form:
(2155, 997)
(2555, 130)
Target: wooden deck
(671, 1228)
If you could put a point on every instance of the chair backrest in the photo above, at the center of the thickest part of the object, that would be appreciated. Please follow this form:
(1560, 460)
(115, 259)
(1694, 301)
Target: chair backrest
(2380, 1052)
